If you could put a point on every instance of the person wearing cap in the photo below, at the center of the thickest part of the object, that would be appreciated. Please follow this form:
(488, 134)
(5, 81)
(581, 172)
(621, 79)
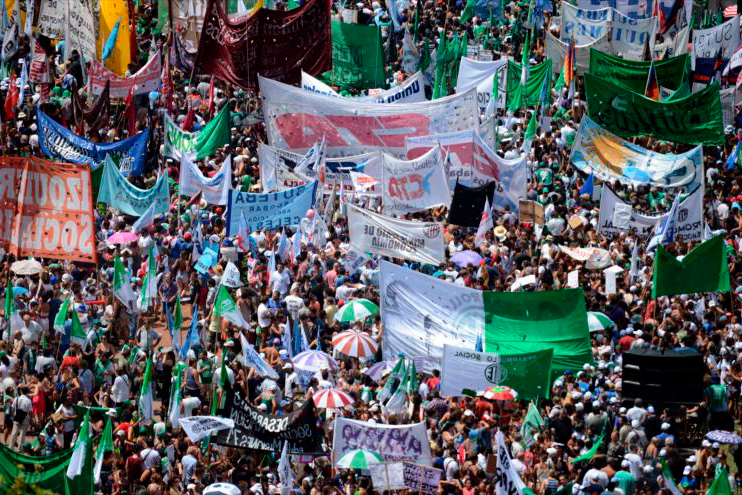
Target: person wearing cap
(624, 479)
(292, 383)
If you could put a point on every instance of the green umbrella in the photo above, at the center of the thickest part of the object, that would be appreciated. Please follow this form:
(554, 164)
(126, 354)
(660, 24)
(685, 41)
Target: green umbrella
(357, 309)
(359, 459)
(597, 321)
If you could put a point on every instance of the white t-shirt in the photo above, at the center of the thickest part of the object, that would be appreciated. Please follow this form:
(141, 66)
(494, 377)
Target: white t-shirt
(294, 304)
(264, 314)
(189, 404)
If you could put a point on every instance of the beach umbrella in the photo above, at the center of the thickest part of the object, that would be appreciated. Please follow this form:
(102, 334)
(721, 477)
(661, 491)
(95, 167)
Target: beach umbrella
(312, 360)
(123, 237)
(376, 370)
(26, 267)
(332, 398)
(355, 344)
(357, 309)
(359, 459)
(723, 436)
(499, 392)
(597, 321)
(466, 258)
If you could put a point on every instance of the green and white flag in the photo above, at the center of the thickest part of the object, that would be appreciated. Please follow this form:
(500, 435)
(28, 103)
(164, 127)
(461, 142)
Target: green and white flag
(77, 333)
(177, 316)
(105, 445)
(146, 396)
(669, 480)
(721, 484)
(122, 285)
(532, 424)
(226, 308)
(61, 317)
(81, 461)
(530, 134)
(173, 412)
(149, 288)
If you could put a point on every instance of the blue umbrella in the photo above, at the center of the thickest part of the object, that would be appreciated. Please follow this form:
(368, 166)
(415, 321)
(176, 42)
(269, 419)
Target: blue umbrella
(723, 436)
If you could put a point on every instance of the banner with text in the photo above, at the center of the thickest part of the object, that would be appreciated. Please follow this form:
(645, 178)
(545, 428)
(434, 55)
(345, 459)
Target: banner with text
(121, 194)
(392, 442)
(481, 75)
(144, 80)
(270, 210)
(215, 189)
(411, 90)
(413, 185)
(178, 142)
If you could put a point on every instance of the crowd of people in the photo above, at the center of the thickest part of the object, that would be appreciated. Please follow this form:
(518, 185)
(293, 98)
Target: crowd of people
(51, 382)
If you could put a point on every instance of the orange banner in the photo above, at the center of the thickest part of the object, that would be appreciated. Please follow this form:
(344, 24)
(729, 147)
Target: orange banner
(46, 209)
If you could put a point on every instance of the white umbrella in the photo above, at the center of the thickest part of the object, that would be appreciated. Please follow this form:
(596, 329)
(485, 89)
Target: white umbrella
(26, 267)
(222, 489)
(355, 344)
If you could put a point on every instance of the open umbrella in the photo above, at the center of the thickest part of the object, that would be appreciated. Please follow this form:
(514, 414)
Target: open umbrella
(359, 459)
(26, 267)
(355, 344)
(597, 321)
(499, 392)
(376, 370)
(357, 309)
(313, 361)
(332, 398)
(723, 436)
(123, 237)
(222, 489)
(465, 258)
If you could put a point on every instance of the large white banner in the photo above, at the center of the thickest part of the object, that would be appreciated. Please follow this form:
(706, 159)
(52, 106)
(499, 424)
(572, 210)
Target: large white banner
(473, 164)
(557, 49)
(628, 35)
(586, 25)
(143, 81)
(392, 442)
(421, 314)
(636, 9)
(80, 30)
(215, 189)
(618, 216)
(282, 163)
(410, 91)
(508, 480)
(706, 42)
(481, 75)
(52, 18)
(295, 119)
(377, 234)
(413, 185)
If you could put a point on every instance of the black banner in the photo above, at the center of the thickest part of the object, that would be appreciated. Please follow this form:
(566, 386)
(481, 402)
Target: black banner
(258, 431)
(467, 204)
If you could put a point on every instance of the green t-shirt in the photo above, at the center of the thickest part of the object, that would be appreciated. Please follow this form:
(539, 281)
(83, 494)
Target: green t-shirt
(717, 396)
(208, 372)
(625, 482)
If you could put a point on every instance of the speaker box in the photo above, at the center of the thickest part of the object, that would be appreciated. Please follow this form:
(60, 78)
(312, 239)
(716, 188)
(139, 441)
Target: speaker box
(663, 379)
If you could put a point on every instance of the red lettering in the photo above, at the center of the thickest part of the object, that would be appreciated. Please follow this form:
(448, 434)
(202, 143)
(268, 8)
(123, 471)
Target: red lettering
(468, 154)
(303, 130)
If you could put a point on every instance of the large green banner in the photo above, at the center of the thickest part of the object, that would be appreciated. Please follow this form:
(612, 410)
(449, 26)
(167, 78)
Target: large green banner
(633, 74)
(521, 322)
(695, 119)
(357, 59)
(530, 96)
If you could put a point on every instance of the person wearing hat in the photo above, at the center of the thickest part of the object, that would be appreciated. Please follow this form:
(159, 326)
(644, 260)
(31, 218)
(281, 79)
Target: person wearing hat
(292, 383)
(624, 479)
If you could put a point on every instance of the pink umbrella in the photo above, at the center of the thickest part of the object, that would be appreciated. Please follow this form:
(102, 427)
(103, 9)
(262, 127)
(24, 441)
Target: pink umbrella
(332, 398)
(123, 237)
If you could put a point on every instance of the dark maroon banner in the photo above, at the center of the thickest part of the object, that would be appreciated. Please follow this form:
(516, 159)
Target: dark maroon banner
(277, 45)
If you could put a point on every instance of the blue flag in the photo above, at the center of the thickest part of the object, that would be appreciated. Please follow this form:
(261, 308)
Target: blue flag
(588, 186)
(111, 41)
(192, 338)
(287, 340)
(733, 157)
(147, 218)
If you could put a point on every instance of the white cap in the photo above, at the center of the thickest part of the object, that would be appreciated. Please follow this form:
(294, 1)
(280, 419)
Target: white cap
(650, 409)
(715, 445)
(596, 404)
(624, 463)
(665, 426)
(705, 443)
(691, 460)
(686, 470)
(622, 410)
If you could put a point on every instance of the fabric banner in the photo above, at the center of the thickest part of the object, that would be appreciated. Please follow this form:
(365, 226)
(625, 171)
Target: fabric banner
(557, 49)
(689, 225)
(177, 142)
(270, 210)
(412, 185)
(52, 19)
(635, 9)
(629, 35)
(110, 12)
(611, 158)
(121, 194)
(51, 216)
(695, 119)
(411, 90)
(392, 442)
(472, 163)
(463, 369)
(256, 430)
(467, 204)
(421, 313)
(384, 236)
(80, 28)
(357, 58)
(585, 25)
(44, 472)
(521, 322)
(63, 145)
(294, 119)
(704, 269)
(311, 83)
(198, 427)
(188, 17)
(481, 75)
(215, 189)
(707, 42)
(275, 44)
(144, 80)
(671, 73)
(508, 479)
(400, 475)
(531, 94)
(337, 170)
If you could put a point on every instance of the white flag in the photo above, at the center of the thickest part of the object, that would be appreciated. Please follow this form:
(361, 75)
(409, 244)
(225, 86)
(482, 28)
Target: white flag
(485, 224)
(147, 219)
(361, 181)
(284, 470)
(198, 427)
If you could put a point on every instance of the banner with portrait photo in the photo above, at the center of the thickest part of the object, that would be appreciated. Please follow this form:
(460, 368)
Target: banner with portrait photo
(392, 442)
(410, 186)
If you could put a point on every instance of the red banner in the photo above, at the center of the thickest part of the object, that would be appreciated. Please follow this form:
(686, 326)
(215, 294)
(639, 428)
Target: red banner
(277, 45)
(145, 80)
(46, 209)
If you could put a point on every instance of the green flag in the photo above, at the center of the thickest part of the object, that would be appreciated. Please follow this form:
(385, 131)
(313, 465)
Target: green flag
(146, 395)
(79, 479)
(669, 480)
(532, 424)
(357, 56)
(77, 333)
(721, 485)
(177, 316)
(61, 317)
(149, 286)
(704, 269)
(105, 445)
(425, 60)
(9, 304)
(520, 96)
(593, 450)
(560, 83)
(468, 12)
(122, 284)
(632, 74)
(215, 134)
(226, 308)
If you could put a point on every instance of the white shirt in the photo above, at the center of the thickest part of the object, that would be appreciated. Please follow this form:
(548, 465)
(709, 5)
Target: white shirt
(291, 381)
(264, 314)
(30, 332)
(189, 404)
(280, 282)
(120, 389)
(294, 304)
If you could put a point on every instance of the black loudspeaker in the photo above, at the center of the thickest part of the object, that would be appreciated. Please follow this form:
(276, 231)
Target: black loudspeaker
(663, 379)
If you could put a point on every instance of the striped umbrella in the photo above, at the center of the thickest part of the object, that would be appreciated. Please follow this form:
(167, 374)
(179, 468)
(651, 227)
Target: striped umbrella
(376, 370)
(359, 459)
(500, 392)
(597, 321)
(357, 309)
(313, 361)
(355, 344)
(332, 398)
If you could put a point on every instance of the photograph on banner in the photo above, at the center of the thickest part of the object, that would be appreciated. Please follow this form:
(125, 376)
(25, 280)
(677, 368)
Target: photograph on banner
(531, 212)
(421, 314)
(689, 221)
(409, 186)
(294, 119)
(270, 210)
(481, 75)
(609, 158)
(392, 442)
(463, 369)
(386, 236)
